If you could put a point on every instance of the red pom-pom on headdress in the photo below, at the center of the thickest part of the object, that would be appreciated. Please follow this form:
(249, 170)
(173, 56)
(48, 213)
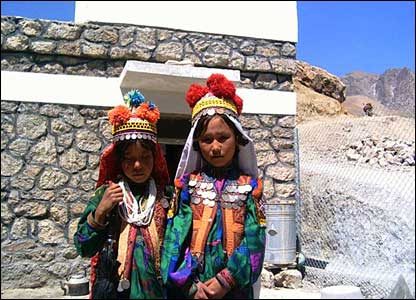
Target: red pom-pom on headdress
(195, 92)
(238, 103)
(119, 115)
(221, 87)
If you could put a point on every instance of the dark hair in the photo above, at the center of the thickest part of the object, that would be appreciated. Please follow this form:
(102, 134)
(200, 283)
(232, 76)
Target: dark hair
(202, 127)
(122, 146)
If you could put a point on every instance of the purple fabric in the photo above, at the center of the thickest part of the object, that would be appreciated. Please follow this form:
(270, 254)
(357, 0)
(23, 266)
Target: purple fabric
(82, 238)
(219, 183)
(255, 260)
(215, 243)
(181, 276)
(90, 228)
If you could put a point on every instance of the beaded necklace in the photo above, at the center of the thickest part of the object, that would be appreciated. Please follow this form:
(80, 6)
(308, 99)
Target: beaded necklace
(137, 212)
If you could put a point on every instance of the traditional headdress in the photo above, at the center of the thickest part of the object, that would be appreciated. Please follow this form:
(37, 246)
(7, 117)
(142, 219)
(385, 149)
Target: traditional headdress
(136, 119)
(217, 97)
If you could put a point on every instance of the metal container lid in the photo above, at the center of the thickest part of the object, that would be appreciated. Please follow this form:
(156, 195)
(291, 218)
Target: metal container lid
(77, 279)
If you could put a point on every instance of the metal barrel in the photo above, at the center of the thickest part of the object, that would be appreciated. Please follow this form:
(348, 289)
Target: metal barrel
(281, 233)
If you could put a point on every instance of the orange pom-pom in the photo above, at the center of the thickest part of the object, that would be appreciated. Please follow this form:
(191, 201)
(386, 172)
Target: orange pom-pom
(119, 115)
(195, 92)
(140, 111)
(221, 87)
(153, 115)
(147, 112)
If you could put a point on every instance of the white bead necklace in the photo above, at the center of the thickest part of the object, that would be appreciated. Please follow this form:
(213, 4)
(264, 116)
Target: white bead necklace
(131, 210)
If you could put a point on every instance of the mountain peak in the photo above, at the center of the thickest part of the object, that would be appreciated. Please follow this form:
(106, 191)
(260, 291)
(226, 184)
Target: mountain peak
(394, 88)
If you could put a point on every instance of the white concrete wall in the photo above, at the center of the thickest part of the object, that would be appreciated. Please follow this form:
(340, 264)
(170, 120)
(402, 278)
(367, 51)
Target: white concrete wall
(275, 20)
(101, 91)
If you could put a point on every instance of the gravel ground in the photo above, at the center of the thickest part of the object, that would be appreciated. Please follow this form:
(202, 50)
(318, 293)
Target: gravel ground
(326, 139)
(53, 293)
(283, 293)
(38, 293)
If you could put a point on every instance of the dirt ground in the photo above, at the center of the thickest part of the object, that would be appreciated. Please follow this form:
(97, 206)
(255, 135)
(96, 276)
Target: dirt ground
(38, 293)
(54, 293)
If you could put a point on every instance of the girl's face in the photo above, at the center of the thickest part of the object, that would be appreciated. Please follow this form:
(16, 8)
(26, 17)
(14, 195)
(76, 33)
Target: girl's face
(218, 143)
(137, 163)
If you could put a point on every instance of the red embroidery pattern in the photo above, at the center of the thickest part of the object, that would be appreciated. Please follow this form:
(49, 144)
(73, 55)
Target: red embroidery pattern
(160, 219)
(228, 277)
(197, 210)
(259, 201)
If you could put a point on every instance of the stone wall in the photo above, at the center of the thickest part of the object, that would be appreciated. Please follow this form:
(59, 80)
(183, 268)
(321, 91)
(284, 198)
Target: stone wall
(50, 155)
(101, 50)
(274, 141)
(50, 152)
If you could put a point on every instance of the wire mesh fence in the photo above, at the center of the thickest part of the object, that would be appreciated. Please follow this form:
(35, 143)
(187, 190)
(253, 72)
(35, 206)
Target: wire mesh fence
(356, 213)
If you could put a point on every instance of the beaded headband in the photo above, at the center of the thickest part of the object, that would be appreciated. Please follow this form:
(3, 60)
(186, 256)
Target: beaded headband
(214, 105)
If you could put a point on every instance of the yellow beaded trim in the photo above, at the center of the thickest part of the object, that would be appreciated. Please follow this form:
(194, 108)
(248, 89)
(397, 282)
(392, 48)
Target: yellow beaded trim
(142, 125)
(213, 102)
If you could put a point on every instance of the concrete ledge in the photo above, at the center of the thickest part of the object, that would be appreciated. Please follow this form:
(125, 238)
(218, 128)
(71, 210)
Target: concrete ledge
(268, 102)
(60, 88)
(167, 91)
(168, 77)
(166, 84)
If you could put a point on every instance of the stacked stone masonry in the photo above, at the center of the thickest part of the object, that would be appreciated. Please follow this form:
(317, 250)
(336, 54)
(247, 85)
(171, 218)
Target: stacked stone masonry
(50, 152)
(101, 50)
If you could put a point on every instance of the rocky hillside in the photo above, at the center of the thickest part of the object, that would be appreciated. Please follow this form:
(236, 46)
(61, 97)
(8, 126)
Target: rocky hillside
(318, 92)
(354, 106)
(360, 83)
(320, 80)
(394, 89)
(312, 105)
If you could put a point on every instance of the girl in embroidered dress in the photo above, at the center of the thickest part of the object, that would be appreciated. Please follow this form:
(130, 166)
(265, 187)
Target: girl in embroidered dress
(215, 236)
(123, 225)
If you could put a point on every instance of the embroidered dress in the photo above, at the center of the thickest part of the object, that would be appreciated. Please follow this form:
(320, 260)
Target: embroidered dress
(222, 218)
(145, 276)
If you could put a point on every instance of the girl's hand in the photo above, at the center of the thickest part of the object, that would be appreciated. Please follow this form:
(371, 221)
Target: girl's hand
(217, 291)
(112, 196)
(203, 291)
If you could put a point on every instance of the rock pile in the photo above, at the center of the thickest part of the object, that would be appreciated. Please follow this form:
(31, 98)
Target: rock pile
(382, 151)
(291, 278)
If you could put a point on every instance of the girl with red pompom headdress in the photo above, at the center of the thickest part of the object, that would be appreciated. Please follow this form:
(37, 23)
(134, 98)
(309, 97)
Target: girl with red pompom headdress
(122, 227)
(215, 237)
